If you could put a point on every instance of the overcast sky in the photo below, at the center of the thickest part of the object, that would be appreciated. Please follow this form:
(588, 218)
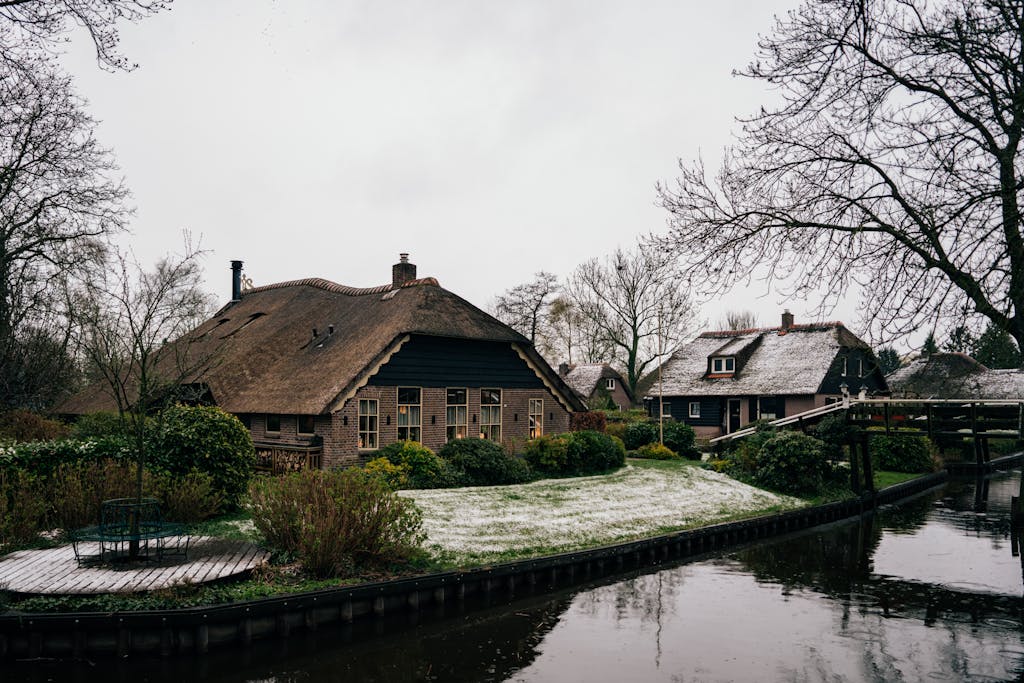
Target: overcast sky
(489, 140)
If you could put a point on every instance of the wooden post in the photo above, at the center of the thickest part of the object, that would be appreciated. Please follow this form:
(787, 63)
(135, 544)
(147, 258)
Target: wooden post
(869, 473)
(854, 473)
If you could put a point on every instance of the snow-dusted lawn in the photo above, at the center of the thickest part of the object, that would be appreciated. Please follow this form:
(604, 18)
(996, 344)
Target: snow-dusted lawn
(492, 523)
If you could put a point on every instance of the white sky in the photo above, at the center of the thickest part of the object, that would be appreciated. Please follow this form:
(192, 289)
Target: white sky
(489, 140)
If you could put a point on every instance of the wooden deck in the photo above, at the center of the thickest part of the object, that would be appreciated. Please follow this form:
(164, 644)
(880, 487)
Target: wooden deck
(54, 571)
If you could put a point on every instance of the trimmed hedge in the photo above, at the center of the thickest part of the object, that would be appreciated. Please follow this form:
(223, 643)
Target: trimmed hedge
(590, 421)
(655, 451)
(575, 454)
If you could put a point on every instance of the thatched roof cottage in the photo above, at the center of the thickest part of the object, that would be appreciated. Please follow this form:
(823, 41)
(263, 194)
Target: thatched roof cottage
(331, 373)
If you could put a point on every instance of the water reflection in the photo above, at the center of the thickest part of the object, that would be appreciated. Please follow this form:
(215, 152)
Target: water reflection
(929, 590)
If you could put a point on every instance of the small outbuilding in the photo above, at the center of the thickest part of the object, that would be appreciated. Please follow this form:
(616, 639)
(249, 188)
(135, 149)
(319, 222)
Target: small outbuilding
(598, 385)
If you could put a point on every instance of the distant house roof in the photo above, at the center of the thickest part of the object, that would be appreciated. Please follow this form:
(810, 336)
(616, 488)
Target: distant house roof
(584, 378)
(776, 360)
(955, 375)
(305, 346)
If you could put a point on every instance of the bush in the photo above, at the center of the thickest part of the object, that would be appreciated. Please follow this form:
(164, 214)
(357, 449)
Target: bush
(22, 507)
(548, 454)
(479, 462)
(98, 425)
(835, 433)
(680, 437)
(334, 520)
(188, 499)
(422, 464)
(42, 458)
(206, 439)
(616, 429)
(655, 451)
(901, 453)
(592, 420)
(592, 452)
(637, 434)
(24, 425)
(793, 463)
(396, 476)
(77, 489)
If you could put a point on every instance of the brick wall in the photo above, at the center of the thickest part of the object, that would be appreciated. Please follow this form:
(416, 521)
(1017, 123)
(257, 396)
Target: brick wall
(341, 439)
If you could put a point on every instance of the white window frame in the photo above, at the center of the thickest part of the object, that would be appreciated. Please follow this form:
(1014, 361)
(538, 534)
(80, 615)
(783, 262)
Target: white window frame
(490, 428)
(860, 367)
(409, 415)
(694, 410)
(456, 415)
(372, 424)
(845, 366)
(609, 383)
(723, 365)
(536, 418)
(775, 415)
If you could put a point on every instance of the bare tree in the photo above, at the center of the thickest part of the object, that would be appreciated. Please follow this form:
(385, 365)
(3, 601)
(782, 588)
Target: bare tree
(573, 337)
(59, 203)
(524, 307)
(31, 30)
(638, 303)
(134, 336)
(893, 162)
(738, 320)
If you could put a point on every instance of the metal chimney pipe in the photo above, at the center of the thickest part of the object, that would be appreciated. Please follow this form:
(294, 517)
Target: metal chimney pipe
(236, 280)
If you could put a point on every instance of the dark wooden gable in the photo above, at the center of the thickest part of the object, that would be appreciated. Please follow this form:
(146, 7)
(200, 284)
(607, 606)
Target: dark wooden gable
(426, 361)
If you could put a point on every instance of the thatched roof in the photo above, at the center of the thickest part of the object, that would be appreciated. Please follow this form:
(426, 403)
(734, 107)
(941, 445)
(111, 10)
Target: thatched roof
(791, 361)
(954, 375)
(305, 346)
(584, 378)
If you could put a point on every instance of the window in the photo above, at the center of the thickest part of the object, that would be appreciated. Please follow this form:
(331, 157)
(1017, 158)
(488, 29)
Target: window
(457, 413)
(767, 408)
(609, 383)
(723, 364)
(307, 424)
(860, 367)
(490, 414)
(273, 423)
(844, 366)
(408, 414)
(368, 423)
(694, 409)
(537, 417)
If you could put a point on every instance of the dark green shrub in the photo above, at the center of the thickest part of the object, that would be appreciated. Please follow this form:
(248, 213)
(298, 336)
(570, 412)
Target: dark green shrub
(396, 476)
(616, 429)
(655, 451)
(901, 453)
(479, 462)
(548, 454)
(24, 425)
(98, 425)
(205, 439)
(423, 465)
(592, 420)
(680, 437)
(592, 452)
(335, 520)
(793, 463)
(22, 507)
(77, 489)
(637, 434)
(835, 433)
(41, 458)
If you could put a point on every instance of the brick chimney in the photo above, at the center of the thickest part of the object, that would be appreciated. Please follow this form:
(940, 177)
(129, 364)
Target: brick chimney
(787, 322)
(236, 280)
(403, 271)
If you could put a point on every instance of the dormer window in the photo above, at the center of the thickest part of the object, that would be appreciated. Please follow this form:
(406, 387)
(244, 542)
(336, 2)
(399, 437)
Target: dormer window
(722, 365)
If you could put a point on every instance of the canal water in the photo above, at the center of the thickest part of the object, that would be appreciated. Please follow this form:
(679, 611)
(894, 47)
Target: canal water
(929, 590)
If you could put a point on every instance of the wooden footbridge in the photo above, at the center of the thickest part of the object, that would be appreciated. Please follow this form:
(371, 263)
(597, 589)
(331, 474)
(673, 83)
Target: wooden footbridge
(944, 420)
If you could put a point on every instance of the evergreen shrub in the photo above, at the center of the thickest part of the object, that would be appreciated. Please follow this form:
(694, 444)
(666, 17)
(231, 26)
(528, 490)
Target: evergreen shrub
(680, 438)
(793, 463)
(638, 434)
(205, 439)
(901, 453)
(480, 462)
(655, 451)
(396, 476)
(422, 464)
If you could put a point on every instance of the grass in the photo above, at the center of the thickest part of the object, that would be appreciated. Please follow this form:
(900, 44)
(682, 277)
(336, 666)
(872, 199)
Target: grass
(884, 478)
(489, 524)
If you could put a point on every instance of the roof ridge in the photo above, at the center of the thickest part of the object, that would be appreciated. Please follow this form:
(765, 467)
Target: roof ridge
(804, 327)
(326, 285)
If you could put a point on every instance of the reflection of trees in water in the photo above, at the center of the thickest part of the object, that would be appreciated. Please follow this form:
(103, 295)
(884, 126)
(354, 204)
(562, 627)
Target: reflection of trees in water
(485, 645)
(644, 598)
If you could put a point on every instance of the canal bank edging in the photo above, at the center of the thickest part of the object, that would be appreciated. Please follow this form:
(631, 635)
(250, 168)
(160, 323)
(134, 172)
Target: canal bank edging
(196, 629)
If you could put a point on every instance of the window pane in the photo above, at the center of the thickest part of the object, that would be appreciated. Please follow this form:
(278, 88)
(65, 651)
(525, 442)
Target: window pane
(307, 424)
(273, 423)
(490, 396)
(456, 396)
(408, 395)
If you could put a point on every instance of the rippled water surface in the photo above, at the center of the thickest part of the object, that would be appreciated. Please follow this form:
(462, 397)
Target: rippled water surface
(930, 590)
